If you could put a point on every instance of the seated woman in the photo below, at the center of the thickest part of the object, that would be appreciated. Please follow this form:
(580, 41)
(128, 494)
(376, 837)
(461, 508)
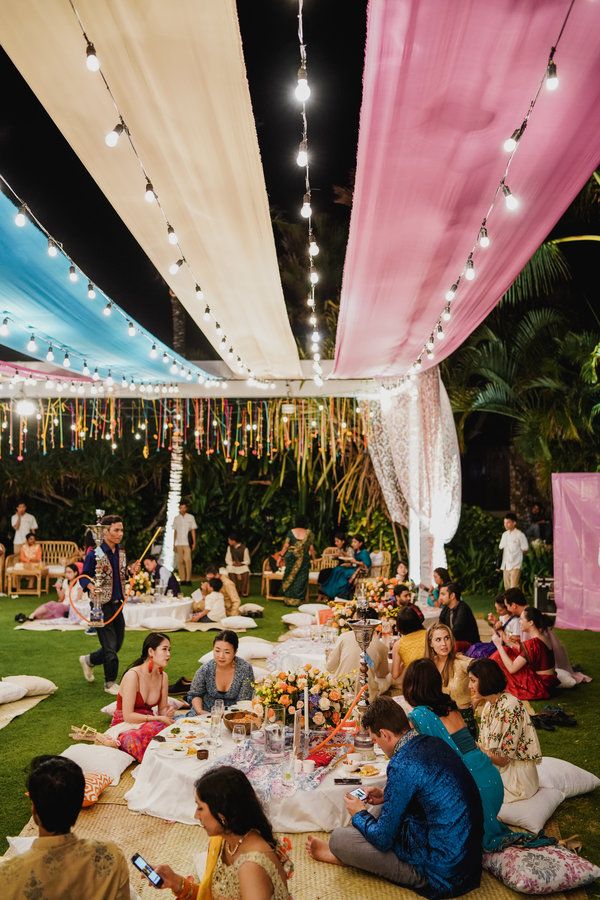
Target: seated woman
(484, 649)
(402, 576)
(435, 713)
(344, 555)
(237, 563)
(31, 552)
(453, 667)
(67, 589)
(440, 578)
(226, 677)
(506, 733)
(143, 686)
(342, 578)
(529, 667)
(244, 857)
(412, 641)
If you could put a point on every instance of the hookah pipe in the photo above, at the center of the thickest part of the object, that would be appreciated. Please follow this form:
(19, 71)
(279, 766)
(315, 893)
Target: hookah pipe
(93, 583)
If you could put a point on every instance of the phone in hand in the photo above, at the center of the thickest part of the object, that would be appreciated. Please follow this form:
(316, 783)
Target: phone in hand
(359, 793)
(147, 870)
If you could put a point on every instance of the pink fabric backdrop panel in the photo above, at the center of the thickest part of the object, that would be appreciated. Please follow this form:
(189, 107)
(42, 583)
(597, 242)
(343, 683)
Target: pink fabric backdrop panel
(444, 84)
(576, 498)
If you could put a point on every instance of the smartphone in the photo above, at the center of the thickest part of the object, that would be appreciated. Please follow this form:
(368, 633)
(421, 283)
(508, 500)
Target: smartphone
(147, 870)
(359, 793)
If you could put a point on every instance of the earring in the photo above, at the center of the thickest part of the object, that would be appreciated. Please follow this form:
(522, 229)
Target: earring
(151, 665)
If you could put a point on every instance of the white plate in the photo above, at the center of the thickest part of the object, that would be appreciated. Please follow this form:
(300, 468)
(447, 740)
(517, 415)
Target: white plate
(172, 752)
(356, 772)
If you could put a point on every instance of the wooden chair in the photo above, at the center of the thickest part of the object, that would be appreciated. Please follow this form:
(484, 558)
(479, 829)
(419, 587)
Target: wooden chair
(267, 579)
(378, 570)
(55, 556)
(2, 563)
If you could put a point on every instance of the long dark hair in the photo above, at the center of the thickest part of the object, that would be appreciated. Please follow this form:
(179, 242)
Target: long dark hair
(152, 641)
(534, 615)
(232, 801)
(422, 686)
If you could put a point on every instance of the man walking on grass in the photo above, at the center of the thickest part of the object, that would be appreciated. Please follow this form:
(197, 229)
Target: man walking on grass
(184, 526)
(513, 544)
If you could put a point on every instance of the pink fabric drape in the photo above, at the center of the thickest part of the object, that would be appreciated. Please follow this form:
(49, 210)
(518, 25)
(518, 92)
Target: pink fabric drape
(576, 499)
(445, 83)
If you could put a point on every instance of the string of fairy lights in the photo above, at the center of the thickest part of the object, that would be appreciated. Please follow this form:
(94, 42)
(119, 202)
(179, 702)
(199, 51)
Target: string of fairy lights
(302, 93)
(121, 131)
(483, 240)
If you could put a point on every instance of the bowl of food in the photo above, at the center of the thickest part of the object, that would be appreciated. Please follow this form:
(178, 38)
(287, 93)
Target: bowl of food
(241, 717)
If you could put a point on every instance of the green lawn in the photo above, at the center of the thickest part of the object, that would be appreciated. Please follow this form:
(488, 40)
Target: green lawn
(55, 655)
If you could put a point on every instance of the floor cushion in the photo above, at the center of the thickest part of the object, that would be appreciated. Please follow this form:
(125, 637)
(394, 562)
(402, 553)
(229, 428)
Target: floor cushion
(34, 685)
(95, 784)
(540, 870)
(312, 608)
(248, 608)
(254, 650)
(532, 814)
(298, 619)
(96, 758)
(238, 622)
(565, 777)
(162, 623)
(10, 692)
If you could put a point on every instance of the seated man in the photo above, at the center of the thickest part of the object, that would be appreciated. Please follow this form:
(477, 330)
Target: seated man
(458, 616)
(229, 590)
(59, 863)
(237, 563)
(344, 659)
(212, 605)
(403, 600)
(162, 578)
(429, 831)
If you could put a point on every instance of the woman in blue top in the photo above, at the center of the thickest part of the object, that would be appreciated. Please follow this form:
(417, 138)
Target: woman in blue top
(341, 580)
(436, 714)
(225, 677)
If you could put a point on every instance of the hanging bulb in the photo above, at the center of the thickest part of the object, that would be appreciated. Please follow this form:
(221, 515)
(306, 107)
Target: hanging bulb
(509, 198)
(230, 353)
(50, 354)
(452, 291)
(123, 382)
(150, 196)
(314, 276)
(302, 90)
(200, 379)
(440, 332)
(4, 331)
(86, 369)
(470, 270)
(31, 344)
(315, 337)
(447, 314)
(21, 218)
(112, 138)
(314, 347)
(306, 210)
(153, 352)
(175, 267)
(73, 276)
(107, 309)
(131, 329)
(312, 320)
(171, 236)
(313, 247)
(240, 364)
(132, 385)
(52, 248)
(223, 341)
(429, 353)
(418, 365)
(96, 375)
(484, 240)
(91, 60)
(206, 315)
(66, 361)
(318, 381)
(91, 291)
(302, 158)
(165, 358)
(218, 329)
(189, 375)
(310, 301)
(199, 292)
(510, 143)
(317, 357)
(551, 76)
(173, 368)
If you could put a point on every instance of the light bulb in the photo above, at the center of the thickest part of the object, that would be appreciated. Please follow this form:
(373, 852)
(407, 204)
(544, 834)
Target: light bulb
(310, 301)
(317, 357)
(131, 329)
(230, 353)
(165, 358)
(73, 276)
(153, 352)
(318, 381)
(206, 315)
(96, 375)
(218, 329)
(302, 158)
(173, 367)
(91, 60)
(451, 291)
(314, 277)
(52, 248)
(21, 218)
(223, 341)
(306, 210)
(302, 90)
(72, 387)
(200, 379)
(150, 196)
(440, 332)
(447, 314)
(175, 267)
(132, 385)
(86, 369)
(80, 390)
(112, 138)
(113, 446)
(25, 407)
(107, 309)
(484, 240)
(551, 76)
(510, 143)
(171, 236)
(314, 347)
(123, 382)
(49, 384)
(313, 248)
(31, 344)
(470, 270)
(91, 291)
(315, 337)
(50, 354)
(312, 320)
(4, 328)
(188, 376)
(509, 198)
(66, 361)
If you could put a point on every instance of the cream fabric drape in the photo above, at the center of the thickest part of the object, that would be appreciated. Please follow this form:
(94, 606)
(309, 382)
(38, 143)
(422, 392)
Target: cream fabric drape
(177, 71)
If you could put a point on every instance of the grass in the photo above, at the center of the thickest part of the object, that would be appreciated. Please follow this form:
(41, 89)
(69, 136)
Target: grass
(54, 655)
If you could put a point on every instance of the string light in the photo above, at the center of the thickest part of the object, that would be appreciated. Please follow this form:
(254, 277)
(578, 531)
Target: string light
(447, 314)
(302, 91)
(149, 194)
(483, 239)
(165, 358)
(50, 354)
(21, 218)
(306, 210)
(206, 315)
(153, 352)
(218, 329)
(52, 248)
(511, 201)
(313, 247)
(96, 375)
(73, 276)
(175, 267)
(302, 158)
(131, 330)
(551, 72)
(91, 291)
(66, 360)
(470, 269)
(91, 60)
(107, 309)
(112, 138)
(86, 369)
(199, 292)
(451, 292)
(440, 332)
(4, 329)
(31, 344)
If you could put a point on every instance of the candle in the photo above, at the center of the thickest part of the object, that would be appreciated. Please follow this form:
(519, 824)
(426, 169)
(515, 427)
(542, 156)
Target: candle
(306, 708)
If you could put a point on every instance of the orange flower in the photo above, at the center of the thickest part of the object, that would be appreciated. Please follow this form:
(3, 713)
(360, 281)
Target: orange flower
(282, 676)
(335, 717)
(284, 700)
(334, 695)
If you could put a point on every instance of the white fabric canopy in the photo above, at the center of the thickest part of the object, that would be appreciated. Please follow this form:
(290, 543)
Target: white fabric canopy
(178, 75)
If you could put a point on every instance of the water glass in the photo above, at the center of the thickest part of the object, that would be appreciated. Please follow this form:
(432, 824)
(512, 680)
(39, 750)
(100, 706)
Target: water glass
(238, 734)
(215, 726)
(274, 740)
(219, 708)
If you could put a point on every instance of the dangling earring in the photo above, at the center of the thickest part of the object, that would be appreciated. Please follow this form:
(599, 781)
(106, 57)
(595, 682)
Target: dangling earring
(151, 665)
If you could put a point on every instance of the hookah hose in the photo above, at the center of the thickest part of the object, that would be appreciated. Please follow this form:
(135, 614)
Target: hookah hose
(340, 724)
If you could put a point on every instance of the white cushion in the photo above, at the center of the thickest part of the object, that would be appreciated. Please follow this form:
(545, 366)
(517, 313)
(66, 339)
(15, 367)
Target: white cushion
(254, 650)
(34, 685)
(237, 622)
(299, 619)
(565, 777)
(96, 758)
(376, 558)
(10, 692)
(162, 623)
(259, 673)
(311, 608)
(55, 570)
(111, 708)
(20, 844)
(532, 814)
(247, 638)
(565, 678)
(251, 608)
(206, 658)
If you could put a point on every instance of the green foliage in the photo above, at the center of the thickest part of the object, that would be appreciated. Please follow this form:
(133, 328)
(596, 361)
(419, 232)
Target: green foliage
(473, 550)
(376, 529)
(537, 562)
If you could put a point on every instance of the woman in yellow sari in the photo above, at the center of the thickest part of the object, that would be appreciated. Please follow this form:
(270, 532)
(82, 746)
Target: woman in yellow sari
(296, 555)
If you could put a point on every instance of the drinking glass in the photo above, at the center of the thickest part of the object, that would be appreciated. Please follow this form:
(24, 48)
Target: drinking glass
(238, 734)
(219, 708)
(215, 725)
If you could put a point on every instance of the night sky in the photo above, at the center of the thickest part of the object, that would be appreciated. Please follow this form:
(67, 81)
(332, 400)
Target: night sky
(41, 167)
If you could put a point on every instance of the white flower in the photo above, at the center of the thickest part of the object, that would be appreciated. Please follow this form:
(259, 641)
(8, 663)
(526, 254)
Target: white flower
(324, 703)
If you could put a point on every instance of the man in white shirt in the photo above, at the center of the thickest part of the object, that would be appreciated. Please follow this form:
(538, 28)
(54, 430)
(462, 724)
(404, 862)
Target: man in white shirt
(513, 544)
(23, 522)
(184, 525)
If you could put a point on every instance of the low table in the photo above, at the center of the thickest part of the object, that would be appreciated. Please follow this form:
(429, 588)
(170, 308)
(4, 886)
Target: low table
(289, 656)
(136, 613)
(14, 575)
(164, 787)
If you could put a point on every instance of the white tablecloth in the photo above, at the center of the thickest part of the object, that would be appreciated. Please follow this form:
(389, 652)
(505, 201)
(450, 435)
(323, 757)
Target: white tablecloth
(295, 653)
(164, 787)
(135, 613)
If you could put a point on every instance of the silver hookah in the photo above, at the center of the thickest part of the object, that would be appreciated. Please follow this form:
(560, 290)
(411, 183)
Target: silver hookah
(363, 630)
(96, 613)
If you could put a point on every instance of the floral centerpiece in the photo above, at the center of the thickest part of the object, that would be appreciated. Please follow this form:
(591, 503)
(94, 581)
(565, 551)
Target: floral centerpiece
(140, 585)
(378, 590)
(327, 696)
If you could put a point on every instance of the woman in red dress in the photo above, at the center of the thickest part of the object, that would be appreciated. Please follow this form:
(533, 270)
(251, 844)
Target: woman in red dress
(529, 666)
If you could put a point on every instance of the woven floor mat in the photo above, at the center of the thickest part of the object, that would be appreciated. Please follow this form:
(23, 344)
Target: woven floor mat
(9, 711)
(45, 625)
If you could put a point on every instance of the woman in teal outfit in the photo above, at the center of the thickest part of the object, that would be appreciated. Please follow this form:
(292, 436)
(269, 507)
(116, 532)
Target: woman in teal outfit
(296, 554)
(341, 580)
(436, 714)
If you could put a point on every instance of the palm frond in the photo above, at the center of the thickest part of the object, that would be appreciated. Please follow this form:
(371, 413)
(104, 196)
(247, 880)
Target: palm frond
(538, 277)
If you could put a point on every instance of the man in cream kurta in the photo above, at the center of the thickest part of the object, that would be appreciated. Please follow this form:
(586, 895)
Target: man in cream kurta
(344, 658)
